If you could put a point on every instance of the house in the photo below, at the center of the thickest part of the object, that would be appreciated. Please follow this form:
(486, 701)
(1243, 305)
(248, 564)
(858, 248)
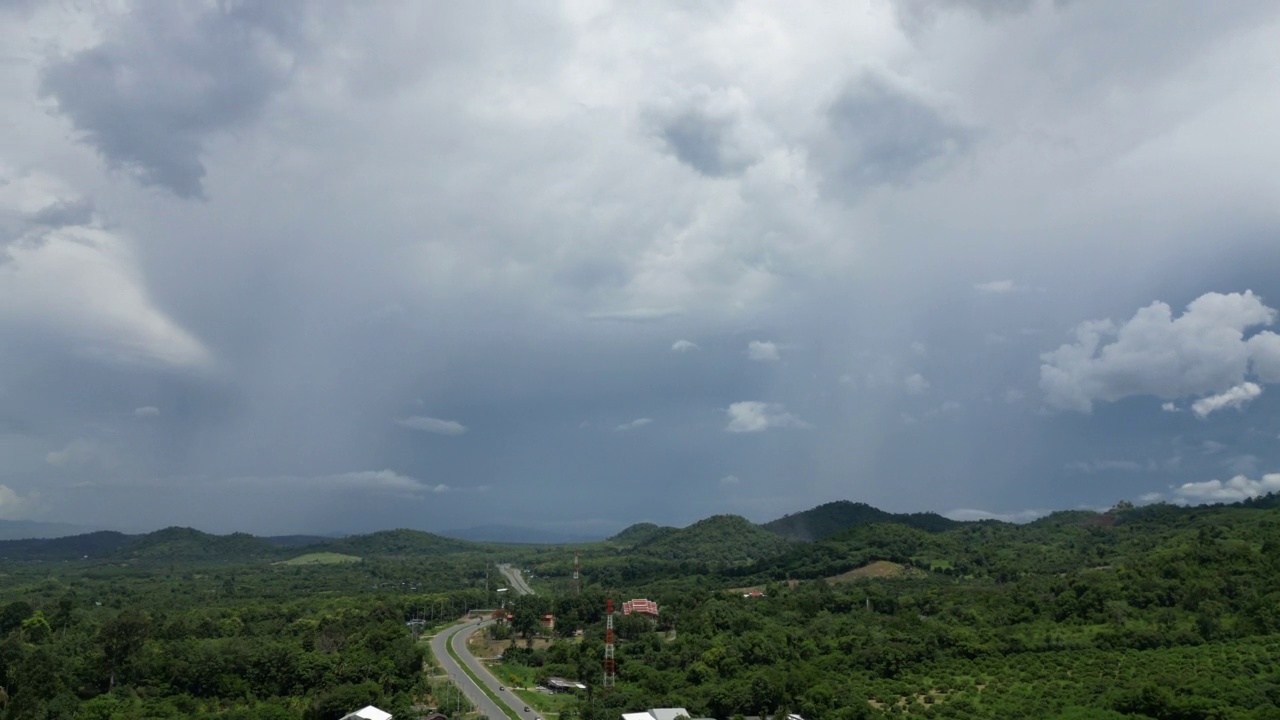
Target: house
(548, 622)
(658, 714)
(753, 594)
(561, 685)
(647, 608)
(368, 712)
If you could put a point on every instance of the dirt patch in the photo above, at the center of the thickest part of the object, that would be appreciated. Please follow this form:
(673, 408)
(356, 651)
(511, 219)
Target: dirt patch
(878, 569)
(483, 647)
(759, 588)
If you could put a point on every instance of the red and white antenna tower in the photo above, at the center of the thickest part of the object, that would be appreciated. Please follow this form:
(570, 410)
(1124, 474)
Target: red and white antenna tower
(577, 587)
(610, 678)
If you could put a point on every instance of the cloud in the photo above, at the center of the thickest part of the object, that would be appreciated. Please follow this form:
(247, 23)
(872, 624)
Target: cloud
(1169, 407)
(708, 132)
(637, 423)
(1236, 397)
(637, 315)
(1202, 352)
(763, 351)
(364, 480)
(1234, 490)
(61, 213)
(1019, 516)
(433, 425)
(916, 384)
(752, 416)
(885, 132)
(730, 480)
(147, 411)
(1097, 466)
(1013, 395)
(998, 287)
(167, 77)
(79, 453)
(13, 506)
(684, 346)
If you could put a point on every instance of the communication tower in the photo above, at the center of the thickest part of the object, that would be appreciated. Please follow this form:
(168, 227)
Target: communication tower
(610, 678)
(577, 583)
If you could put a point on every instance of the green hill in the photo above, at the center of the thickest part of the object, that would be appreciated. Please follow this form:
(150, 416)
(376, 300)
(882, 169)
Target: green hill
(722, 540)
(833, 517)
(92, 545)
(394, 542)
(180, 543)
(641, 533)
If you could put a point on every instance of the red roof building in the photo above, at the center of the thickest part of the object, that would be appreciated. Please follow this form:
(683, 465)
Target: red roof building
(640, 607)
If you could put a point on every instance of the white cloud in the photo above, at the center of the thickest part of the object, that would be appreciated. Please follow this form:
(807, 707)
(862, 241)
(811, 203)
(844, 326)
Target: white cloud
(730, 480)
(364, 480)
(1202, 352)
(997, 287)
(752, 416)
(919, 348)
(1019, 516)
(916, 384)
(1234, 490)
(1014, 395)
(433, 425)
(684, 346)
(12, 505)
(637, 423)
(1169, 407)
(80, 453)
(83, 281)
(763, 351)
(147, 411)
(1236, 397)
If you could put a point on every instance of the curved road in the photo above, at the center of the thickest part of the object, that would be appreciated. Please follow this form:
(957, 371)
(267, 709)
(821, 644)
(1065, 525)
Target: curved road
(516, 580)
(457, 636)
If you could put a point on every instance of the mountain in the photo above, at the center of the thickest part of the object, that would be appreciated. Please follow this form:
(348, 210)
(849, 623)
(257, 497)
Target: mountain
(180, 543)
(33, 529)
(641, 533)
(92, 545)
(394, 542)
(723, 540)
(512, 535)
(830, 518)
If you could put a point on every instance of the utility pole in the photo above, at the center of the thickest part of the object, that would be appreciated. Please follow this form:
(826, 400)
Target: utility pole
(610, 676)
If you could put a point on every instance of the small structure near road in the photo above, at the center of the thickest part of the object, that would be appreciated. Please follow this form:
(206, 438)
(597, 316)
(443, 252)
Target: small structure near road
(561, 685)
(658, 714)
(548, 622)
(367, 712)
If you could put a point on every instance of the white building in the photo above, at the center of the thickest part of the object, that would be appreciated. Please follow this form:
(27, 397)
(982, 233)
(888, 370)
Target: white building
(368, 712)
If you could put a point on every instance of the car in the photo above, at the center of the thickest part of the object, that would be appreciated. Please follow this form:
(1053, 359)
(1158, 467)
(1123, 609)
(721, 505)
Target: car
(500, 687)
(526, 708)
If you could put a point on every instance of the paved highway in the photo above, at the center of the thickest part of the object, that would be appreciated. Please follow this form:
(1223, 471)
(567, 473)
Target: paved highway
(456, 636)
(516, 579)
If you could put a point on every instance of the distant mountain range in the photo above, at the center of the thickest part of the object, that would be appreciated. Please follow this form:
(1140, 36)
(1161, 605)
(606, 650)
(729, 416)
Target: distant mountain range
(512, 535)
(24, 529)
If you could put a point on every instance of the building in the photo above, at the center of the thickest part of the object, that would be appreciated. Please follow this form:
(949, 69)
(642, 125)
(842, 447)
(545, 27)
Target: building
(561, 685)
(658, 714)
(647, 608)
(548, 622)
(368, 712)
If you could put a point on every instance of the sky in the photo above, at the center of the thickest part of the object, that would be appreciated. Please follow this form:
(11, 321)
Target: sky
(338, 267)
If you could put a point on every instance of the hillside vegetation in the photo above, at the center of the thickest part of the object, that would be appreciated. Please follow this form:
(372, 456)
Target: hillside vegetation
(720, 540)
(832, 517)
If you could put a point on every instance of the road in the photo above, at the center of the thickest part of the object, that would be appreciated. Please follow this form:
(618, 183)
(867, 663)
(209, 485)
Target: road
(516, 579)
(456, 635)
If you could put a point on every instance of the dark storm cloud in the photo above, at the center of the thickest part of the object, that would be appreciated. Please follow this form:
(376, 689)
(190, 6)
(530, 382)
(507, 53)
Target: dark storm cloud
(167, 77)
(881, 133)
(61, 213)
(703, 143)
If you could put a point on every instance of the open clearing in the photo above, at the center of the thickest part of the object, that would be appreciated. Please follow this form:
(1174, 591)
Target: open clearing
(322, 558)
(878, 569)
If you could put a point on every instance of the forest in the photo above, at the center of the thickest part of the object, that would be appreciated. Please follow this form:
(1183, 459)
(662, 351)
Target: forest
(1161, 612)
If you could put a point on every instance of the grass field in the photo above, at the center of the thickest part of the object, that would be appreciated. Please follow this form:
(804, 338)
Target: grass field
(322, 558)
